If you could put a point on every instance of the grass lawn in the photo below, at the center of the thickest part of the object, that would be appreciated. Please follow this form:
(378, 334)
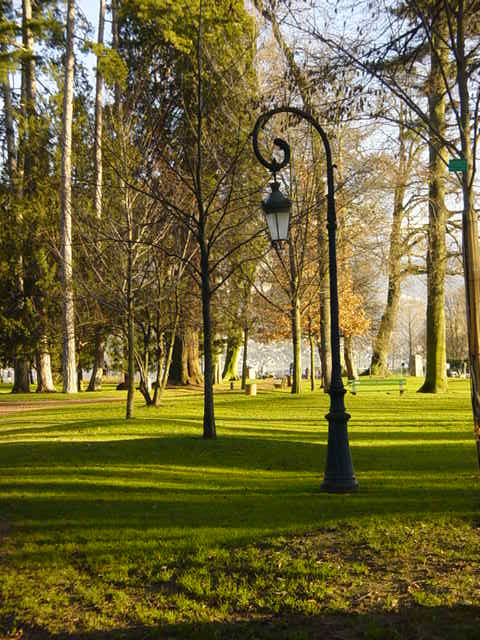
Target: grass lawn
(140, 529)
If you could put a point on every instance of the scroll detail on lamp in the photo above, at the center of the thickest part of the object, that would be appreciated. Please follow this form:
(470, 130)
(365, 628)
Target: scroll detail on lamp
(277, 213)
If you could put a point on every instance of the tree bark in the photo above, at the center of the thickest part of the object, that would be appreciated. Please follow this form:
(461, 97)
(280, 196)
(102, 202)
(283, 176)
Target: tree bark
(28, 97)
(162, 379)
(21, 378)
(130, 331)
(297, 347)
(296, 322)
(311, 340)
(436, 374)
(96, 377)
(381, 346)
(9, 133)
(21, 364)
(79, 378)
(349, 358)
(44, 368)
(185, 368)
(216, 352)
(245, 357)
(411, 347)
(209, 428)
(232, 356)
(21, 383)
(68, 311)
(99, 118)
(325, 347)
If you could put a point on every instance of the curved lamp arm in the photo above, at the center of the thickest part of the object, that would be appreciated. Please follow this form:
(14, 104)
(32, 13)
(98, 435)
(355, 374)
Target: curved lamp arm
(274, 166)
(339, 473)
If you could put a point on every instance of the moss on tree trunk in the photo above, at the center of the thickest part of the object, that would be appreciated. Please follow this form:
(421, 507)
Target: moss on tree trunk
(234, 344)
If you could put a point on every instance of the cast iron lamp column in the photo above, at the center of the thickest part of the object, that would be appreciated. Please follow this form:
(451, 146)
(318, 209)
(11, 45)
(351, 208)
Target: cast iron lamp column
(339, 473)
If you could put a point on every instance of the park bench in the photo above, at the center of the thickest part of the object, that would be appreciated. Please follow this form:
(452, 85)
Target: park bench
(377, 384)
(280, 383)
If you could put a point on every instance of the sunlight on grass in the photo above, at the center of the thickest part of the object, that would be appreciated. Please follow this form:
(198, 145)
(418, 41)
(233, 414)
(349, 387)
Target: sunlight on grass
(136, 527)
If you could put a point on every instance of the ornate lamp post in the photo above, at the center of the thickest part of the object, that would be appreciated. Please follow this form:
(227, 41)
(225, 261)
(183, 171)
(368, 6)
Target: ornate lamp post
(339, 473)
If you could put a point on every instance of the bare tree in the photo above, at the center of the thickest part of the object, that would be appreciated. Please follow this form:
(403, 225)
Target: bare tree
(100, 337)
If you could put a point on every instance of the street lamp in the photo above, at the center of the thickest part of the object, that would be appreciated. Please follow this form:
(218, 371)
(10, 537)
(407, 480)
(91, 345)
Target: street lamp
(277, 214)
(339, 474)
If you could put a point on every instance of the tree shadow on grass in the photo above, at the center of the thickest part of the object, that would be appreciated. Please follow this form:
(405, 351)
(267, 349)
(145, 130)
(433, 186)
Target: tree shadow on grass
(247, 452)
(140, 487)
(410, 623)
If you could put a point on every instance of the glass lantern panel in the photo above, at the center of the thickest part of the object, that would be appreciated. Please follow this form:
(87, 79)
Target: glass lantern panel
(278, 225)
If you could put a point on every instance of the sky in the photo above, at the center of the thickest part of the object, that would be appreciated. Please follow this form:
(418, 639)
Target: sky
(90, 8)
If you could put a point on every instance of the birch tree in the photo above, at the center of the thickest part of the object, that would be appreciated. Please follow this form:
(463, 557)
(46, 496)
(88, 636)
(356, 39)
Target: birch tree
(68, 310)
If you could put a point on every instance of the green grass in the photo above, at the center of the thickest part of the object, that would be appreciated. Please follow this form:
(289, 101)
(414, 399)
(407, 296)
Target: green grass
(107, 391)
(140, 529)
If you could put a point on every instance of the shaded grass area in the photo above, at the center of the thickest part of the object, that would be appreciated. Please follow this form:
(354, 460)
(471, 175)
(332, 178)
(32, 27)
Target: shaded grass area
(140, 529)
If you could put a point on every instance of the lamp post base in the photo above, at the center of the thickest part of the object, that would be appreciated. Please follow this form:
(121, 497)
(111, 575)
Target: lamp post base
(339, 474)
(339, 485)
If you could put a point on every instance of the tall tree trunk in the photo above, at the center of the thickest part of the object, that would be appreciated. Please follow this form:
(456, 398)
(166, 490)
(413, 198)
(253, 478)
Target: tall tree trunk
(99, 117)
(68, 316)
(95, 382)
(28, 96)
(185, 368)
(324, 298)
(209, 428)
(349, 358)
(79, 377)
(130, 330)
(21, 377)
(160, 388)
(21, 364)
(9, 133)
(21, 383)
(245, 357)
(234, 343)
(216, 352)
(381, 345)
(144, 385)
(436, 374)
(194, 370)
(411, 347)
(297, 347)
(471, 252)
(296, 322)
(96, 377)
(311, 340)
(115, 45)
(44, 368)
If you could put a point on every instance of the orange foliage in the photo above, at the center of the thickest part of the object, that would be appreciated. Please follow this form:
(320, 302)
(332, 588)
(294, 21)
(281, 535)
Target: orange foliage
(352, 318)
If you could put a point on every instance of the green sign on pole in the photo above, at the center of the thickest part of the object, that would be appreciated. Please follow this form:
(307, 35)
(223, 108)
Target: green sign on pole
(457, 165)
